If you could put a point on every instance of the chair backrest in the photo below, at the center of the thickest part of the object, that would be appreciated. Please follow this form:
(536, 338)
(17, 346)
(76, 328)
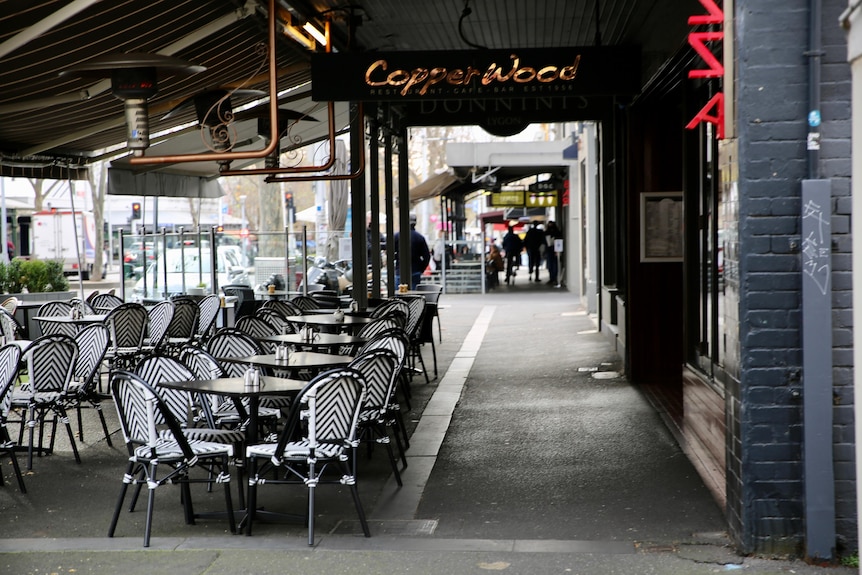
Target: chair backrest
(389, 306)
(245, 303)
(284, 307)
(201, 363)
(209, 307)
(157, 369)
(416, 304)
(158, 320)
(394, 340)
(9, 326)
(56, 309)
(230, 342)
(50, 363)
(326, 299)
(305, 302)
(10, 304)
(89, 298)
(127, 325)
(256, 327)
(184, 322)
(380, 369)
(369, 330)
(275, 319)
(326, 411)
(92, 343)
(140, 409)
(105, 302)
(10, 358)
(432, 292)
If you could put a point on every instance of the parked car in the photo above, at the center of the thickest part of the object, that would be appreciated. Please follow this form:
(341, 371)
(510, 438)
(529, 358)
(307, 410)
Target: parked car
(193, 265)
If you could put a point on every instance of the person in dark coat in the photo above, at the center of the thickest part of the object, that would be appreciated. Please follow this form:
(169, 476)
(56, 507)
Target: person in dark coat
(420, 255)
(533, 242)
(552, 232)
(512, 247)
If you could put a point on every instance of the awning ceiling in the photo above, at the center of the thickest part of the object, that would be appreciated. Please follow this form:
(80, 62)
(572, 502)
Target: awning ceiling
(48, 121)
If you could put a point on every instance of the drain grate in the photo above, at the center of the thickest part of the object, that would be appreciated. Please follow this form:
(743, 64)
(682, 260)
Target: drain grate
(403, 527)
(606, 375)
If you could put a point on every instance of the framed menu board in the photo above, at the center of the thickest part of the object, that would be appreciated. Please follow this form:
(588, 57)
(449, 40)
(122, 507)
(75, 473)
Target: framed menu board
(661, 227)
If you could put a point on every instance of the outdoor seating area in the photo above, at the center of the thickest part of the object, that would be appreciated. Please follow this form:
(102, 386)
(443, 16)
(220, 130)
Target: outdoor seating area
(283, 392)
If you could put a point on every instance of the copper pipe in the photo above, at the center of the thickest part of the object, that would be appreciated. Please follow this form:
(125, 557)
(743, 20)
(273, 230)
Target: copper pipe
(327, 177)
(298, 169)
(273, 118)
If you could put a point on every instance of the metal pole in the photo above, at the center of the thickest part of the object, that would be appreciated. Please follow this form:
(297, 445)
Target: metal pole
(74, 228)
(183, 259)
(304, 259)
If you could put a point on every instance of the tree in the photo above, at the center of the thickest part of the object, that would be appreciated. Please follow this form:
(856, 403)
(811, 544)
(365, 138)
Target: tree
(98, 177)
(41, 192)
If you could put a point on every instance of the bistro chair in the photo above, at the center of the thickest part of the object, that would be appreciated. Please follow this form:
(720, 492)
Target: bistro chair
(50, 362)
(183, 325)
(256, 327)
(127, 326)
(10, 357)
(231, 342)
(56, 309)
(92, 341)
(380, 369)
(208, 306)
(9, 326)
(305, 303)
(245, 302)
(395, 341)
(416, 305)
(105, 302)
(432, 293)
(275, 319)
(283, 307)
(320, 433)
(192, 412)
(10, 304)
(158, 320)
(141, 410)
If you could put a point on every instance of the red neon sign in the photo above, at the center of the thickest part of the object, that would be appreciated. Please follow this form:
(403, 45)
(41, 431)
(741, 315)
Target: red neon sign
(713, 111)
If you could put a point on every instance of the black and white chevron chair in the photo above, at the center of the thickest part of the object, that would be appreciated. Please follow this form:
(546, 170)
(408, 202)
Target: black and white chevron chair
(257, 328)
(230, 342)
(225, 412)
(305, 303)
(395, 341)
(368, 332)
(380, 369)
(127, 327)
(56, 309)
(208, 306)
(50, 363)
(284, 307)
(183, 325)
(416, 305)
(394, 305)
(276, 320)
(9, 326)
(156, 460)
(92, 343)
(158, 320)
(105, 302)
(320, 433)
(10, 357)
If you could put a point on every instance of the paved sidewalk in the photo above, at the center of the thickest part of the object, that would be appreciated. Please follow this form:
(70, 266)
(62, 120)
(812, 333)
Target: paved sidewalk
(521, 461)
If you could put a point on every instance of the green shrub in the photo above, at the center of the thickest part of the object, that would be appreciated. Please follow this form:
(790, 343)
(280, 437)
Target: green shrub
(56, 280)
(35, 275)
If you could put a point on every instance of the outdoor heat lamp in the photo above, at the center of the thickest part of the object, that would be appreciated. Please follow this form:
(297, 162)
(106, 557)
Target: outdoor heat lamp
(134, 80)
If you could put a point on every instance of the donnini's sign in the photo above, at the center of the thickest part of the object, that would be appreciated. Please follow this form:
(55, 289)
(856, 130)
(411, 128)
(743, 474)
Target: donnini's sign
(483, 74)
(713, 111)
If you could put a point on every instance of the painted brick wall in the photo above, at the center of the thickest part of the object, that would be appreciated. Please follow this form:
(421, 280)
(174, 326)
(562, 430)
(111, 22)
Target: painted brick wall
(765, 478)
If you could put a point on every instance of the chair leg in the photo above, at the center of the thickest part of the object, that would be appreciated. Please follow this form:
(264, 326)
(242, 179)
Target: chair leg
(311, 489)
(17, 469)
(31, 424)
(127, 478)
(393, 462)
(231, 520)
(98, 407)
(65, 418)
(151, 500)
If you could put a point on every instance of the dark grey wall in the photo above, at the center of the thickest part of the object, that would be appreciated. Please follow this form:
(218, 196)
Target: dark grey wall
(765, 479)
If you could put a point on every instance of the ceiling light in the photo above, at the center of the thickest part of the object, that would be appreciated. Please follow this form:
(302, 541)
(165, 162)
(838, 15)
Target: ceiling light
(315, 33)
(134, 80)
(307, 34)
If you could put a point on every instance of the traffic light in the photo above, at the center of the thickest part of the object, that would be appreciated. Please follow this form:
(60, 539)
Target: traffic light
(288, 202)
(136, 210)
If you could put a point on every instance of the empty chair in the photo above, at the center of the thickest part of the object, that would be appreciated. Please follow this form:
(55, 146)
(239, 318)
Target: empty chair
(56, 309)
(50, 362)
(92, 343)
(155, 460)
(10, 356)
(432, 293)
(285, 308)
(9, 326)
(256, 327)
(10, 304)
(105, 302)
(158, 320)
(183, 325)
(230, 342)
(127, 326)
(326, 299)
(245, 302)
(416, 305)
(320, 434)
(380, 369)
(275, 319)
(208, 306)
(305, 303)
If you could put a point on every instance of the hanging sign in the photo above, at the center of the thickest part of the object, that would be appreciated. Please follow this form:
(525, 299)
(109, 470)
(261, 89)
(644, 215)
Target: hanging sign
(471, 74)
(713, 111)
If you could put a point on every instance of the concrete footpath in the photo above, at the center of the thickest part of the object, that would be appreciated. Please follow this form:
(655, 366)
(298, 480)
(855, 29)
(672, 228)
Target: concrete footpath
(530, 453)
